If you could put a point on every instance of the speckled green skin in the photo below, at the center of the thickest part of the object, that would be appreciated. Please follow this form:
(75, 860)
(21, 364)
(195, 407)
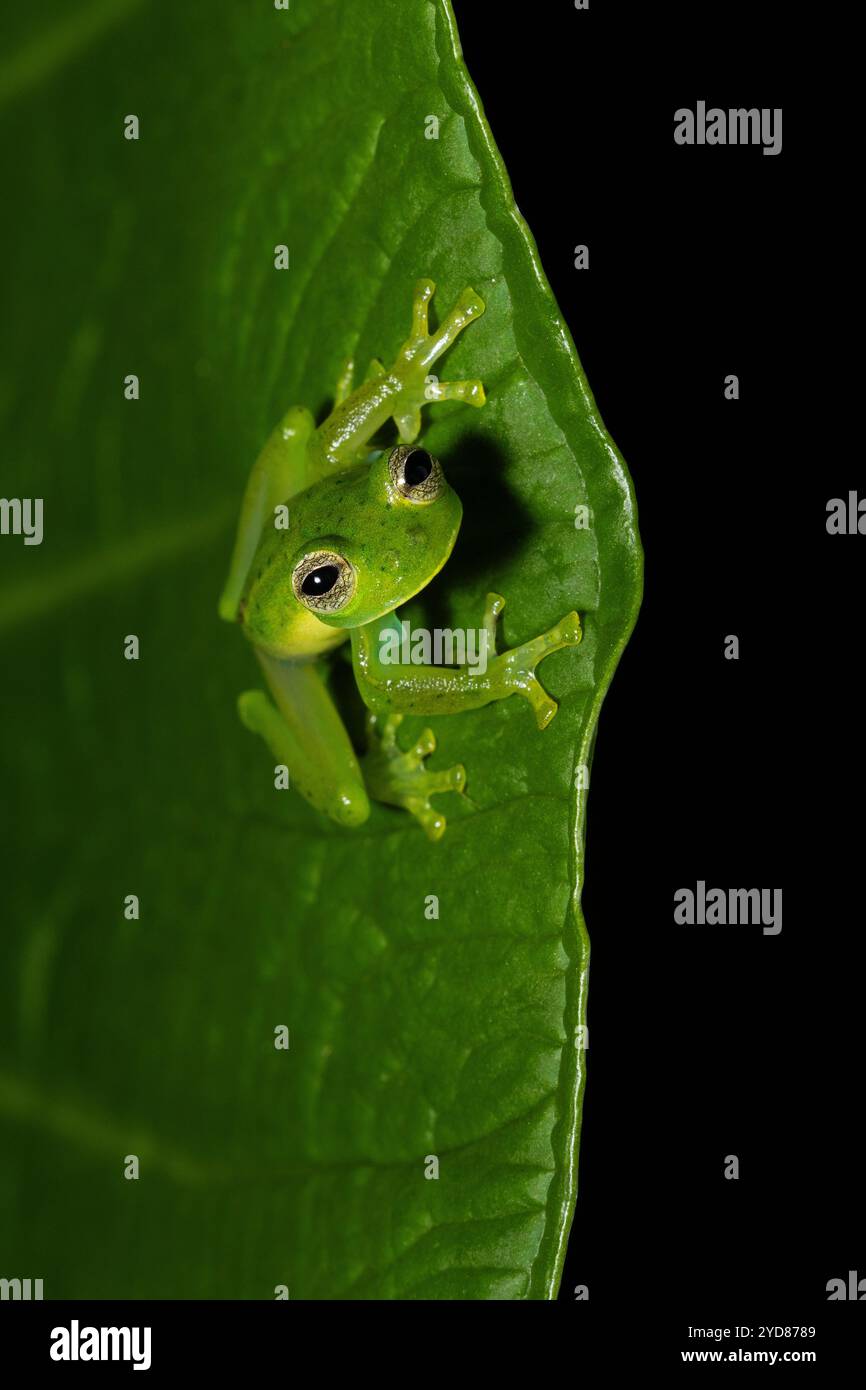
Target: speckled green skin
(394, 546)
(344, 501)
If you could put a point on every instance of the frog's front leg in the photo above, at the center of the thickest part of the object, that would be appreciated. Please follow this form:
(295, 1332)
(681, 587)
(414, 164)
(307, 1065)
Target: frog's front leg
(411, 689)
(305, 733)
(402, 779)
(399, 393)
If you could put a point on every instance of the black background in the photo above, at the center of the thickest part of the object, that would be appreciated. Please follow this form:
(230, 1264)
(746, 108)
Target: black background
(709, 1041)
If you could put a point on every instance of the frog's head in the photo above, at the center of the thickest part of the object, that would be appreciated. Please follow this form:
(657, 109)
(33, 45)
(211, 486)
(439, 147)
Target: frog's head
(357, 546)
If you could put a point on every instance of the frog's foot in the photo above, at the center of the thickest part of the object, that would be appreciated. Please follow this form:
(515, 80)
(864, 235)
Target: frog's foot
(421, 349)
(513, 672)
(401, 779)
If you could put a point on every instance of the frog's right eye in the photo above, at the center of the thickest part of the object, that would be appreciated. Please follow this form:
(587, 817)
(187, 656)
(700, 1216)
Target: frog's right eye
(415, 474)
(323, 581)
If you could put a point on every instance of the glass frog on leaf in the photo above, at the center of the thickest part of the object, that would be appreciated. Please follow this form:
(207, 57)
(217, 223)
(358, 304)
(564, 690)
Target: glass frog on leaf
(367, 531)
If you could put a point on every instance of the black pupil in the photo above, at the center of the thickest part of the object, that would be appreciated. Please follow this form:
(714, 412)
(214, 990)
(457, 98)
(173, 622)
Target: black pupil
(320, 581)
(417, 468)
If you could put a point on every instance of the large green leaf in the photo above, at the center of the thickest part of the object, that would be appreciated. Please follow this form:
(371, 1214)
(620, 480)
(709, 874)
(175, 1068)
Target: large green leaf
(410, 1036)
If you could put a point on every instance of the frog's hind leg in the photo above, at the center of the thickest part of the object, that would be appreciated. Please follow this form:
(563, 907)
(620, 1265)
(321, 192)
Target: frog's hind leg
(344, 436)
(277, 474)
(402, 779)
(344, 382)
(343, 388)
(306, 734)
(419, 352)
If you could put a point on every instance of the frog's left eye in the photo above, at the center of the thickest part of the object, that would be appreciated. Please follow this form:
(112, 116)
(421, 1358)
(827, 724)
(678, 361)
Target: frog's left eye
(323, 581)
(415, 474)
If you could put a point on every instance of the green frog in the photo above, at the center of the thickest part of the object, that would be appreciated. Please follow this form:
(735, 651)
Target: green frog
(334, 535)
